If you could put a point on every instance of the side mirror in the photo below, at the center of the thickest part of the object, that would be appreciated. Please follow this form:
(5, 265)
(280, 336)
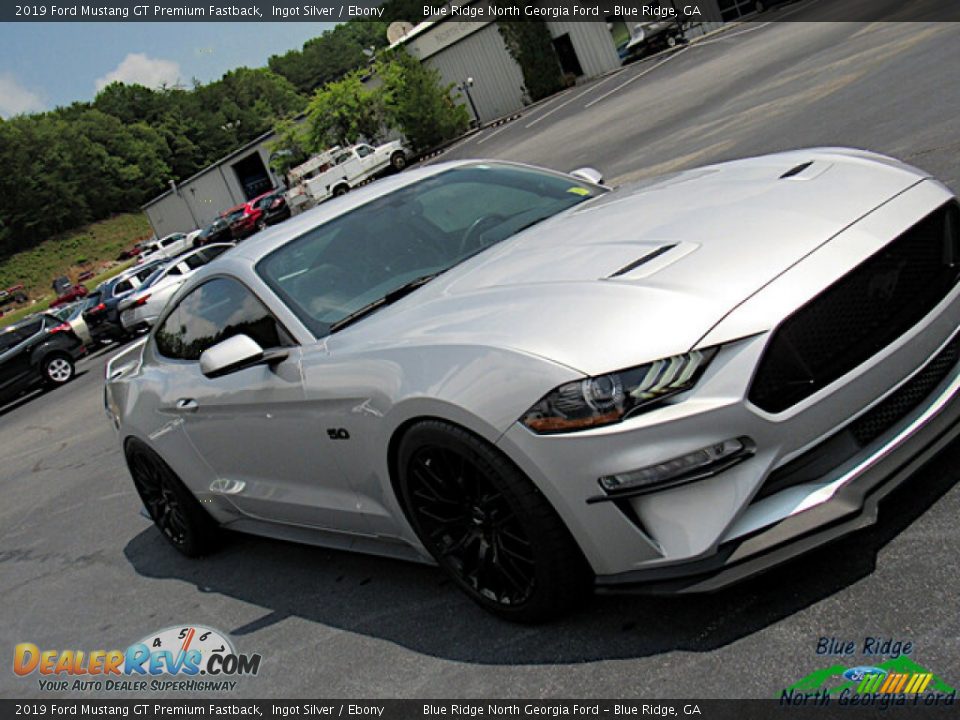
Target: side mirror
(236, 353)
(591, 175)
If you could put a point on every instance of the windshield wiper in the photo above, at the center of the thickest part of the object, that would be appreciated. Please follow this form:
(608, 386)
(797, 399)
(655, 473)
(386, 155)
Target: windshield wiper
(389, 298)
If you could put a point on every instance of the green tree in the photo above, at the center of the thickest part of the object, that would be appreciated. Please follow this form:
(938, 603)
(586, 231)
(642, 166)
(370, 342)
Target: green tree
(416, 103)
(330, 56)
(291, 147)
(531, 45)
(344, 111)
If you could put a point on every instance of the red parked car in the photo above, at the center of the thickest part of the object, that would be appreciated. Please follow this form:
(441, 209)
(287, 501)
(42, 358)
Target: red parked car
(247, 218)
(67, 292)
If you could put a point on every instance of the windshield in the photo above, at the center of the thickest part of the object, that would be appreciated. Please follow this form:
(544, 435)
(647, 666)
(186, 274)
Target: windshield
(426, 228)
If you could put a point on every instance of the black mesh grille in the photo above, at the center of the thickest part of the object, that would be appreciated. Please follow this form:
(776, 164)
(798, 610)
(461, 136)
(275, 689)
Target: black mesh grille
(871, 425)
(847, 443)
(861, 313)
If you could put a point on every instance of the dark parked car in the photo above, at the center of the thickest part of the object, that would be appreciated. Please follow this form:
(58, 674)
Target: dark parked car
(216, 232)
(275, 208)
(38, 350)
(101, 313)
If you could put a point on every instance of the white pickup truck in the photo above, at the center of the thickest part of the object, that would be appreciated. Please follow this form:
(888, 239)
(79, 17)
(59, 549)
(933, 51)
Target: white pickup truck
(338, 170)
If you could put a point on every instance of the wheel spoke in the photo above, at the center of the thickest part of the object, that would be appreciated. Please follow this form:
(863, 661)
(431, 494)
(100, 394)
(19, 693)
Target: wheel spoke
(470, 526)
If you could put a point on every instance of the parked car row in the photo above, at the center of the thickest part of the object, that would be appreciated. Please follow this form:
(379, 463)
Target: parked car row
(139, 309)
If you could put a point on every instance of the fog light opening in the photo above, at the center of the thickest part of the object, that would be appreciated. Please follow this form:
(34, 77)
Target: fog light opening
(697, 465)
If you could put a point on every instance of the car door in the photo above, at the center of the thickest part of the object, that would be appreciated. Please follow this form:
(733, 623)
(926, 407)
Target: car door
(368, 158)
(253, 427)
(16, 346)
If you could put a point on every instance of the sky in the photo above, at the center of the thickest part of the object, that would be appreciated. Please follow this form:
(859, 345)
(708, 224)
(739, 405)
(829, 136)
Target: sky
(43, 65)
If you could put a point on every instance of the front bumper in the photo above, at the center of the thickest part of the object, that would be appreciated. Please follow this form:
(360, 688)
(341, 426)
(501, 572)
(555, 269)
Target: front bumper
(722, 528)
(853, 503)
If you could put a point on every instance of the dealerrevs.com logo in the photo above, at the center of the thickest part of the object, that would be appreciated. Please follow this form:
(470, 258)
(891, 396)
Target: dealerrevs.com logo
(187, 658)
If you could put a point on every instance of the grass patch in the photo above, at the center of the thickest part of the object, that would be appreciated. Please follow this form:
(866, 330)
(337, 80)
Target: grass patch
(41, 305)
(91, 248)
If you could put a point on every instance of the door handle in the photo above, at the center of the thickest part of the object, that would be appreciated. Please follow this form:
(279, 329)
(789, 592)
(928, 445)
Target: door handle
(186, 405)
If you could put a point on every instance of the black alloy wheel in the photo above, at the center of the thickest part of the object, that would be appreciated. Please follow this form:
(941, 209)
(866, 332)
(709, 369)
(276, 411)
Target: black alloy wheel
(471, 525)
(488, 526)
(172, 507)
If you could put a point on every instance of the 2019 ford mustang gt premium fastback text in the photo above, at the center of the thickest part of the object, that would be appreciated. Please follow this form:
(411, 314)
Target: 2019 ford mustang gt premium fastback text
(544, 385)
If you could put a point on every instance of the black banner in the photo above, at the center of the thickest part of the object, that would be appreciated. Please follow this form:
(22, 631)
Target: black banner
(858, 706)
(474, 11)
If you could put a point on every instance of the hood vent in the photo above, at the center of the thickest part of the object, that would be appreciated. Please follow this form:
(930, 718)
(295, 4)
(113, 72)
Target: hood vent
(662, 250)
(794, 171)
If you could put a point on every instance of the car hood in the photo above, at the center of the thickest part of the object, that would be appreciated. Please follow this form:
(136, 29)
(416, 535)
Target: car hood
(647, 270)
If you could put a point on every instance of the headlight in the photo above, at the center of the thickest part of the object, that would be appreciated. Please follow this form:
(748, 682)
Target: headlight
(610, 398)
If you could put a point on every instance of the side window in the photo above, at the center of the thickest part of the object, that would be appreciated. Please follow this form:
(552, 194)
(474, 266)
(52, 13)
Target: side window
(28, 331)
(213, 312)
(364, 150)
(209, 253)
(194, 261)
(122, 287)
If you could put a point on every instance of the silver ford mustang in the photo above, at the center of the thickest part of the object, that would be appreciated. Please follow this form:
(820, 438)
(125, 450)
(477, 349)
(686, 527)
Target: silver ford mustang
(545, 386)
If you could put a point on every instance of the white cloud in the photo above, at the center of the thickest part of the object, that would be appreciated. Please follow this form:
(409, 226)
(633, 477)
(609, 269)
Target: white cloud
(15, 98)
(137, 68)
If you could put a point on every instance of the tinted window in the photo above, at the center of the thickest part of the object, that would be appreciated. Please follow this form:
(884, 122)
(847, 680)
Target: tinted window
(122, 287)
(209, 253)
(172, 239)
(34, 326)
(8, 338)
(364, 150)
(215, 311)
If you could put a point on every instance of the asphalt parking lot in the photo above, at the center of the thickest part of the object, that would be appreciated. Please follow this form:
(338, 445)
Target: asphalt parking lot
(82, 569)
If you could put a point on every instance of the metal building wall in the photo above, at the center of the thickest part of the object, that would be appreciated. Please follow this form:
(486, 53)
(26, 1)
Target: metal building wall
(497, 81)
(209, 195)
(204, 196)
(168, 215)
(592, 43)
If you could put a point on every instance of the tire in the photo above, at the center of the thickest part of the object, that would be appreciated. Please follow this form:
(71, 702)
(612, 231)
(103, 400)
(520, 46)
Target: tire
(671, 41)
(340, 190)
(58, 369)
(20, 298)
(172, 507)
(398, 161)
(501, 541)
(261, 225)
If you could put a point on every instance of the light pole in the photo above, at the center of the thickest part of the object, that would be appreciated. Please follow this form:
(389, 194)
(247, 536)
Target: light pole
(466, 85)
